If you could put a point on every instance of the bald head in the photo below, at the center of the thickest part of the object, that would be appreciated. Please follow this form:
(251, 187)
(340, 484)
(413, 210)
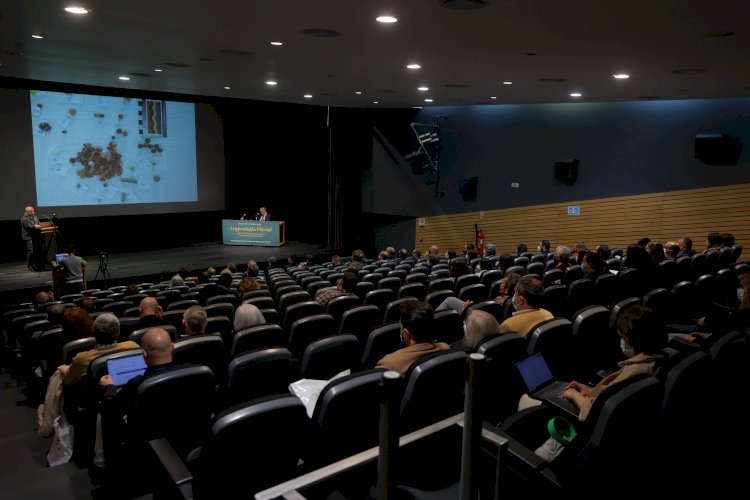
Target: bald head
(157, 347)
(149, 305)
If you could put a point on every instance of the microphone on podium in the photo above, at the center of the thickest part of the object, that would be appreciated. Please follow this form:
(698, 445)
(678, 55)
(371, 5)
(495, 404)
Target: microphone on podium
(257, 216)
(243, 217)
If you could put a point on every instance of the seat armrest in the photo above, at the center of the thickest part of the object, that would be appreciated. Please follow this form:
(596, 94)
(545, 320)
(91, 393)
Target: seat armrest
(180, 477)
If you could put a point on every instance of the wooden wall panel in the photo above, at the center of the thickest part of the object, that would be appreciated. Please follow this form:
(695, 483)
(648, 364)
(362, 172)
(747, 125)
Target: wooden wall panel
(617, 222)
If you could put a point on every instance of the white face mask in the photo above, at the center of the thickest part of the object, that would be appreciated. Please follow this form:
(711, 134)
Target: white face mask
(626, 350)
(584, 267)
(401, 336)
(513, 301)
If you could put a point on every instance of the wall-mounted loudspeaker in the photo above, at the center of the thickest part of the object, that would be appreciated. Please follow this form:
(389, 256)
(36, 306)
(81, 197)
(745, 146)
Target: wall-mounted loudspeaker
(566, 172)
(717, 149)
(467, 186)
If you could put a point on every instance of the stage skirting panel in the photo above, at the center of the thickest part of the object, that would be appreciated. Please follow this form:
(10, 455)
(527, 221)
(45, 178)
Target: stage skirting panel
(253, 233)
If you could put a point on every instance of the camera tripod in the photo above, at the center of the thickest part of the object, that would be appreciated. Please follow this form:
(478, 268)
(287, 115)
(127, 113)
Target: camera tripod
(103, 263)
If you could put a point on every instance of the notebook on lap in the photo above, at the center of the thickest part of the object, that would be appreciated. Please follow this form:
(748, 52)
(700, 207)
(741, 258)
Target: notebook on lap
(124, 368)
(542, 385)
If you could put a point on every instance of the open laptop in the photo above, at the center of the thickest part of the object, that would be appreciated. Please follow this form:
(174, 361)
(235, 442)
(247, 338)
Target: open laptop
(124, 368)
(542, 385)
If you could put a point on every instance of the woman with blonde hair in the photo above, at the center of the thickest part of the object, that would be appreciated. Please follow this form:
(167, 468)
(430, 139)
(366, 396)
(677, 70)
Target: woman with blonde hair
(247, 285)
(479, 325)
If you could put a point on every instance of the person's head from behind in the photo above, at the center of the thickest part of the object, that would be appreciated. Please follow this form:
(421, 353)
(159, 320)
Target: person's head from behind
(416, 253)
(336, 260)
(252, 269)
(562, 254)
(247, 285)
(176, 280)
(358, 255)
(247, 315)
(484, 264)
(713, 240)
(417, 322)
(55, 313)
(349, 281)
(149, 306)
(232, 267)
(403, 253)
(383, 255)
(727, 239)
(433, 260)
(509, 283)
(636, 257)
(479, 325)
(194, 320)
(643, 242)
(42, 297)
(686, 244)
(458, 267)
(592, 262)
(544, 246)
(225, 279)
(655, 252)
(88, 304)
(157, 347)
(506, 260)
(106, 329)
(76, 324)
(641, 331)
(529, 293)
(603, 250)
(490, 250)
(131, 289)
(521, 248)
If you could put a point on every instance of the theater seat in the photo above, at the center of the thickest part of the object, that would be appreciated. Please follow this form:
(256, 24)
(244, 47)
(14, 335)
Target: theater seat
(257, 373)
(329, 356)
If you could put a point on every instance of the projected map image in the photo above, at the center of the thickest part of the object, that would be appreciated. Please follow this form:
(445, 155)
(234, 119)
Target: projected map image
(100, 150)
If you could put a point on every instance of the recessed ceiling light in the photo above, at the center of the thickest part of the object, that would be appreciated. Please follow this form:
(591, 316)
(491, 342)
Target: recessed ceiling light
(277, 44)
(358, 92)
(226, 87)
(493, 97)
(271, 83)
(375, 102)
(423, 89)
(621, 76)
(74, 9)
(307, 96)
(124, 78)
(158, 70)
(428, 100)
(413, 66)
(37, 36)
(386, 19)
(507, 83)
(575, 94)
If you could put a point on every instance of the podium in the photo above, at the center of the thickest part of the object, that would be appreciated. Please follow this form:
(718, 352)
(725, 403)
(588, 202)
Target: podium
(253, 233)
(49, 236)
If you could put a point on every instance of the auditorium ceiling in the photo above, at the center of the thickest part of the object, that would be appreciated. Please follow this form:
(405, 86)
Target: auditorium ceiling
(336, 53)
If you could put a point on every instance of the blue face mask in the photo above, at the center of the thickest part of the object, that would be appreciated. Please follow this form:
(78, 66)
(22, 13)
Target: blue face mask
(627, 351)
(584, 267)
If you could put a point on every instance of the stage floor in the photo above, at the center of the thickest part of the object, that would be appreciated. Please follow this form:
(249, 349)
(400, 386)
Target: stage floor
(15, 278)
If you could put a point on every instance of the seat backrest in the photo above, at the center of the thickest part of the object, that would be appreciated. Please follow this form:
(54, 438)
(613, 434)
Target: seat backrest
(489, 277)
(392, 283)
(554, 339)
(417, 290)
(698, 265)
(221, 326)
(580, 294)
(220, 309)
(257, 373)
(661, 300)
(290, 298)
(345, 418)
(666, 274)
(251, 294)
(359, 321)
(571, 274)
(440, 284)
(300, 310)
(337, 306)
(391, 313)
(552, 277)
(137, 335)
(258, 337)
(363, 288)
(687, 302)
(176, 405)
(449, 326)
(382, 340)
(474, 292)
(492, 307)
(465, 280)
(73, 347)
(515, 269)
(595, 346)
(308, 329)
(329, 356)
(271, 316)
(535, 268)
(182, 304)
(606, 289)
(438, 296)
(261, 302)
(632, 282)
(555, 298)
(501, 399)
(618, 308)
(434, 389)
(205, 350)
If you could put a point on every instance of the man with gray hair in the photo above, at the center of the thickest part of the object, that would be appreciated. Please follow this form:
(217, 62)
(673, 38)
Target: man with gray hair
(562, 257)
(194, 320)
(106, 333)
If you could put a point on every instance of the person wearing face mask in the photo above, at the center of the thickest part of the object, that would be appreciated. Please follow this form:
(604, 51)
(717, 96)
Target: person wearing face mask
(527, 300)
(417, 333)
(643, 336)
(593, 266)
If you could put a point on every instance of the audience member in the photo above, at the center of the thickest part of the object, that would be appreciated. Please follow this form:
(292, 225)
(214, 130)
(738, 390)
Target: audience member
(151, 313)
(131, 289)
(643, 242)
(458, 267)
(247, 315)
(671, 249)
(247, 285)
(490, 250)
(544, 248)
(416, 254)
(74, 268)
(232, 267)
(336, 260)
(562, 257)
(88, 304)
(417, 329)
(593, 266)
(727, 240)
(76, 324)
(636, 257)
(686, 247)
(527, 301)
(252, 270)
(194, 320)
(345, 286)
(521, 248)
(479, 325)
(176, 280)
(656, 253)
(604, 252)
(43, 297)
(358, 260)
(106, 333)
(714, 241)
(403, 254)
(505, 261)
(642, 338)
(508, 286)
(54, 314)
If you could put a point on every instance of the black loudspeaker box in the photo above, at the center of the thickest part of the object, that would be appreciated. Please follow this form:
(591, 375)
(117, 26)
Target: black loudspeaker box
(717, 149)
(467, 186)
(566, 172)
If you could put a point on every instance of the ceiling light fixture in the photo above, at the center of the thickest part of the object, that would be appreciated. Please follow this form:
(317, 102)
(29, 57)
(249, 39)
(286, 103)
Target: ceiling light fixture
(227, 87)
(507, 83)
(375, 102)
(423, 89)
(74, 9)
(575, 94)
(307, 96)
(621, 76)
(37, 36)
(124, 78)
(429, 100)
(386, 19)
(271, 83)
(277, 44)
(158, 70)
(358, 92)
(413, 66)
(493, 97)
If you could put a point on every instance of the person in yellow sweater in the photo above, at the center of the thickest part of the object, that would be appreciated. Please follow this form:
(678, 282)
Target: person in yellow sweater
(527, 300)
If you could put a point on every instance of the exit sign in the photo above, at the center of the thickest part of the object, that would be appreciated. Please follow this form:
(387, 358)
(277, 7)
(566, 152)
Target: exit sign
(574, 210)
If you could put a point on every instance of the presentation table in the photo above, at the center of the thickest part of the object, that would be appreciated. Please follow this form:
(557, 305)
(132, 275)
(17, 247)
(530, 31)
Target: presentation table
(253, 233)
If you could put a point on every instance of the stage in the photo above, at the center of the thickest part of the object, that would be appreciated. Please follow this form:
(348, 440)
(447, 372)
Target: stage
(18, 284)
